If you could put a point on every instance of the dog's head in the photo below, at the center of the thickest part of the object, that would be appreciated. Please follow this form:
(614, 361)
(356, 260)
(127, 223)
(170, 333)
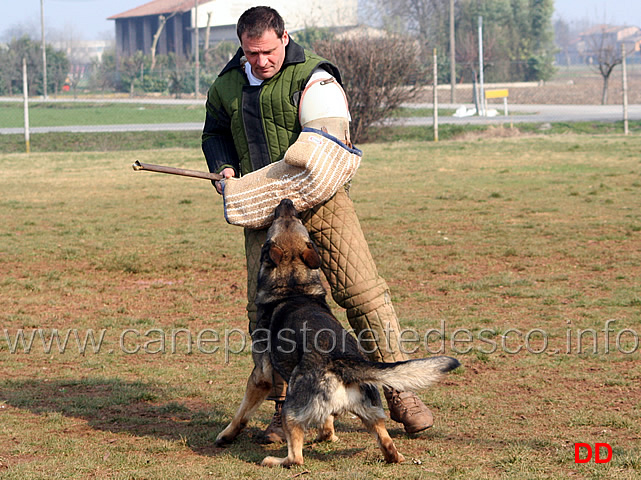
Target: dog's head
(289, 260)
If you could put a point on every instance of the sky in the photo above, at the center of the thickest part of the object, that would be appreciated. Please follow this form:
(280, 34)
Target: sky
(87, 19)
(616, 12)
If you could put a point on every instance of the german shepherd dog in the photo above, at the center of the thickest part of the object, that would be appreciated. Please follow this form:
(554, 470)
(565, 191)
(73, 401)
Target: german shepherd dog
(298, 336)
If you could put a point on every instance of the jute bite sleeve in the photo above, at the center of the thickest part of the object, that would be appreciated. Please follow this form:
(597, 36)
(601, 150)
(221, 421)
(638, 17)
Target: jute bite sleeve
(311, 172)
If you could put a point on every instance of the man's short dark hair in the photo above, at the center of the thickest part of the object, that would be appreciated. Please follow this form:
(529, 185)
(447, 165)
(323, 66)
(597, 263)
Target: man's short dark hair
(258, 20)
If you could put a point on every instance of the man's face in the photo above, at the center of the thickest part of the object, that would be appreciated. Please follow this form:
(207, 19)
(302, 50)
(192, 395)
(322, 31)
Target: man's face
(265, 54)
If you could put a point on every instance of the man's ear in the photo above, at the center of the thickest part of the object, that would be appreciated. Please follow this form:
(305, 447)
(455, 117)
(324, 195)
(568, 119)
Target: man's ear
(285, 38)
(310, 256)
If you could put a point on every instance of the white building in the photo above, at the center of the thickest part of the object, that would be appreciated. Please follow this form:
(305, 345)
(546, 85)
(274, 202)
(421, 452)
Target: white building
(136, 28)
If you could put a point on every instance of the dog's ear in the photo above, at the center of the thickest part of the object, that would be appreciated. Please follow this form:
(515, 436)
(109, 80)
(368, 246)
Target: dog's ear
(310, 256)
(271, 254)
(275, 254)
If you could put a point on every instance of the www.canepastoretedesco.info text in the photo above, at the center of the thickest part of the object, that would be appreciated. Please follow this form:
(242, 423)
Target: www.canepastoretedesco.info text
(227, 342)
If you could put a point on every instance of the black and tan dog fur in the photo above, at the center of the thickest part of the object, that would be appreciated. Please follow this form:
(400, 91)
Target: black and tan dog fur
(298, 336)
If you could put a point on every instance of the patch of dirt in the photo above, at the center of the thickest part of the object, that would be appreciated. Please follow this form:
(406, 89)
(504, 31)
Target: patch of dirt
(579, 90)
(493, 131)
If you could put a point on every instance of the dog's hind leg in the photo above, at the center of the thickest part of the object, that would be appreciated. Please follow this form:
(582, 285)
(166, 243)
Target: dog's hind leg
(377, 428)
(258, 387)
(326, 431)
(295, 434)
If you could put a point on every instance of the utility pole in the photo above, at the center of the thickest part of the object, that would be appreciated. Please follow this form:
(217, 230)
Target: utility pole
(481, 92)
(625, 89)
(452, 55)
(197, 37)
(435, 93)
(25, 92)
(44, 48)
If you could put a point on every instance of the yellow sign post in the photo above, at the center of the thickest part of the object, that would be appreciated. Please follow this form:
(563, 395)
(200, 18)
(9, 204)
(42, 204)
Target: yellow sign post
(502, 93)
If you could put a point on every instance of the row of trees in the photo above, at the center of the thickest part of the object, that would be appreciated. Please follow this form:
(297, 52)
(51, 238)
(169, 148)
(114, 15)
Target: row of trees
(171, 73)
(518, 35)
(518, 46)
(11, 56)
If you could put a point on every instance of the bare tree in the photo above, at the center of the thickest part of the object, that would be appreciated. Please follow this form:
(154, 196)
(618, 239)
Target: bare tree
(162, 20)
(604, 54)
(426, 19)
(467, 53)
(379, 73)
(207, 33)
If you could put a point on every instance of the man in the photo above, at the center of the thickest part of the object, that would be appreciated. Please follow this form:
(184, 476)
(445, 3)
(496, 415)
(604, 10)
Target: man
(252, 119)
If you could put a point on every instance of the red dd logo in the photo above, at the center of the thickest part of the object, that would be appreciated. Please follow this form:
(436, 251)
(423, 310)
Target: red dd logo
(586, 455)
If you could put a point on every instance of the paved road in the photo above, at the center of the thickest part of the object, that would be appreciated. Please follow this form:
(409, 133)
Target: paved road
(518, 114)
(537, 114)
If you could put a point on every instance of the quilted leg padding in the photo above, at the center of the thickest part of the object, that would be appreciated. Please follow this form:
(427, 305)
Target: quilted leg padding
(378, 333)
(254, 240)
(353, 277)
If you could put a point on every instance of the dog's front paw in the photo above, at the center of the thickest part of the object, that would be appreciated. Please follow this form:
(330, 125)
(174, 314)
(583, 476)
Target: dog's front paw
(272, 462)
(223, 440)
(281, 462)
(394, 457)
(326, 437)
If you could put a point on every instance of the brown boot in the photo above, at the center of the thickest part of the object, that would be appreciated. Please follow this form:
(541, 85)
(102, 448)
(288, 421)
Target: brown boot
(408, 409)
(274, 432)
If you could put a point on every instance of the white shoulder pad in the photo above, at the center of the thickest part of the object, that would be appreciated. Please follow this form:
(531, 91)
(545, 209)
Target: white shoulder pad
(322, 98)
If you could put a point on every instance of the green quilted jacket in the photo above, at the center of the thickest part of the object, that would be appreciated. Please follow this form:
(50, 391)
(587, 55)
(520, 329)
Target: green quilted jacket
(248, 127)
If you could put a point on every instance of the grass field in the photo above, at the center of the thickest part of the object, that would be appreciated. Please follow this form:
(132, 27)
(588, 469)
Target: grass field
(125, 141)
(522, 254)
(48, 114)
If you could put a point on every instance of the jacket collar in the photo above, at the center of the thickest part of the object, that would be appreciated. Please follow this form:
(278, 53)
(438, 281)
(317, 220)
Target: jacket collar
(294, 53)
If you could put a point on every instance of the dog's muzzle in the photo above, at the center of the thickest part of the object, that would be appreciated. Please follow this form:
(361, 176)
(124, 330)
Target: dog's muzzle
(285, 209)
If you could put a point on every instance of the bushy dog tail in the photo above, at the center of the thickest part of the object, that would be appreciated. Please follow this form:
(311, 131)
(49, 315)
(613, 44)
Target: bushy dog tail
(412, 374)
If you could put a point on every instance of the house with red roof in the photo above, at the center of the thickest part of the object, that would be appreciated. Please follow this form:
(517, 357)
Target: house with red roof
(174, 25)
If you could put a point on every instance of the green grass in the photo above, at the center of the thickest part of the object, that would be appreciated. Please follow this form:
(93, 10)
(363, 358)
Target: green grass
(489, 235)
(47, 114)
(404, 112)
(100, 142)
(123, 141)
(450, 132)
